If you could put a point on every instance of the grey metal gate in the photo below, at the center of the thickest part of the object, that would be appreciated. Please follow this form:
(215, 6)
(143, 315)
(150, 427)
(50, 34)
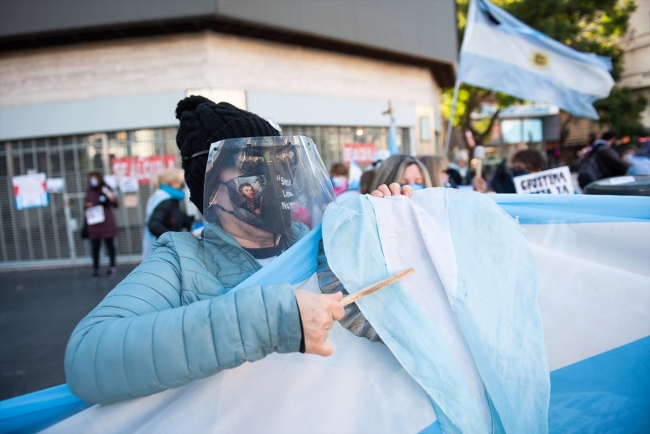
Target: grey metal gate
(51, 234)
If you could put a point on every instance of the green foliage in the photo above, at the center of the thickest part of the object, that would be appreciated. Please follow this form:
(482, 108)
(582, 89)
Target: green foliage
(585, 25)
(621, 111)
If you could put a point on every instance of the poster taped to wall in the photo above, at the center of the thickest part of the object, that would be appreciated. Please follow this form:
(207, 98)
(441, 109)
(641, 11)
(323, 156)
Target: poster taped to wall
(111, 181)
(552, 181)
(142, 168)
(55, 185)
(129, 185)
(30, 191)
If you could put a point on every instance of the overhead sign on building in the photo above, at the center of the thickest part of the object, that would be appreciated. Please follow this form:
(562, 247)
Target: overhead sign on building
(30, 191)
(552, 181)
(142, 168)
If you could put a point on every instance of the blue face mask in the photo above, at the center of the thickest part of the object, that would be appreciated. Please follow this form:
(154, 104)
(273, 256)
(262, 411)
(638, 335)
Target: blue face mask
(415, 186)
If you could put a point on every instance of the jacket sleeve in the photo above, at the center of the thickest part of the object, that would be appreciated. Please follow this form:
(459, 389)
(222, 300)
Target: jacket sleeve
(160, 215)
(140, 339)
(614, 164)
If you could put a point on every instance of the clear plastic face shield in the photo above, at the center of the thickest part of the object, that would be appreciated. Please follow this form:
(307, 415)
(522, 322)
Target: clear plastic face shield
(266, 192)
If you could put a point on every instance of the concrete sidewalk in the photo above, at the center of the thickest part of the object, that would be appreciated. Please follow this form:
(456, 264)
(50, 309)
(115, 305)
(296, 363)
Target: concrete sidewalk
(38, 311)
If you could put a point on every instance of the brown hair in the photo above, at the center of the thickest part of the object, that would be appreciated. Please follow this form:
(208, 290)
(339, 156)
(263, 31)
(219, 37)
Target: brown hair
(531, 158)
(434, 165)
(339, 169)
(366, 181)
(392, 169)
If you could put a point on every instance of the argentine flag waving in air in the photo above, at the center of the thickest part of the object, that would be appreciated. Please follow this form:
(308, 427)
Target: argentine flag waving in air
(501, 53)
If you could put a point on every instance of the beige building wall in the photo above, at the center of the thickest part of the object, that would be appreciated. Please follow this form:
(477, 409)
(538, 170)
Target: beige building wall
(218, 61)
(202, 60)
(637, 54)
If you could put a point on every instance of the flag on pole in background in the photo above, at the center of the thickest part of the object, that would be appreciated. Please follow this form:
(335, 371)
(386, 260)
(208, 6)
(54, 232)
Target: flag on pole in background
(354, 178)
(501, 53)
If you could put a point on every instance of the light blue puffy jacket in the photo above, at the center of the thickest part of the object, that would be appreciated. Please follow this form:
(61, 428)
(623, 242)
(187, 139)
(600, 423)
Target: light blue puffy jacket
(173, 320)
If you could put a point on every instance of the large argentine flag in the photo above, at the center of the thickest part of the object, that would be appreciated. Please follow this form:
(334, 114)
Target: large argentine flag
(464, 350)
(500, 52)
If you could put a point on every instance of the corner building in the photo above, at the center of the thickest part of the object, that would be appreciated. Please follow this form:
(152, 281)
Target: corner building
(85, 83)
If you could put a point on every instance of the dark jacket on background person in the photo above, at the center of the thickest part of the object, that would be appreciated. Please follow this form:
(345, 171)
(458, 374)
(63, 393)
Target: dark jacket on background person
(168, 216)
(608, 163)
(502, 181)
(455, 178)
(107, 228)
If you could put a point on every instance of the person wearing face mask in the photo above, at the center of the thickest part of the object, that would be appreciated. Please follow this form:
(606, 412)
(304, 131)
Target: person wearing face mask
(404, 170)
(101, 195)
(459, 173)
(164, 211)
(339, 175)
(175, 318)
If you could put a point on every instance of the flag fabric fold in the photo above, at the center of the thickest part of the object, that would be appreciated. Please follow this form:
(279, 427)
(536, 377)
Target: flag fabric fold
(466, 325)
(501, 53)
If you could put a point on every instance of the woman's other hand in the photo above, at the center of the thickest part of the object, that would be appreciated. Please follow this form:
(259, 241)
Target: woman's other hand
(393, 190)
(318, 313)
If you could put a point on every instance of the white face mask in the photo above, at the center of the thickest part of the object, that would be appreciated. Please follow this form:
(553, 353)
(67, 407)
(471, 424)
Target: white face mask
(93, 182)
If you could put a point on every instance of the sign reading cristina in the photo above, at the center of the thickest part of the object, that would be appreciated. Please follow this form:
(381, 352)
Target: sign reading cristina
(553, 181)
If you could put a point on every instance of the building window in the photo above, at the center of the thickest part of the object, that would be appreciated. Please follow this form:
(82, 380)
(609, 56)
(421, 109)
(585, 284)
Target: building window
(522, 130)
(425, 129)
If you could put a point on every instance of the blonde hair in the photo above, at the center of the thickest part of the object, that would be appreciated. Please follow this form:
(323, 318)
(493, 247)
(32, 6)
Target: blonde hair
(392, 169)
(435, 165)
(167, 176)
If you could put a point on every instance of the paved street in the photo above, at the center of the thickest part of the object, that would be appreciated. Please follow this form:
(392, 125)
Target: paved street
(38, 311)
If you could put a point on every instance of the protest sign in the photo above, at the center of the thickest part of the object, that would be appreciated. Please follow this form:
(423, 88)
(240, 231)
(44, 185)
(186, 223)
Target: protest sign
(552, 181)
(30, 191)
(142, 168)
(55, 185)
(131, 201)
(95, 215)
(362, 152)
(111, 181)
(129, 185)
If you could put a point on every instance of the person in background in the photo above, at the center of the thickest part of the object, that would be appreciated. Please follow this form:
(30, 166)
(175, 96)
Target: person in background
(179, 300)
(100, 194)
(366, 181)
(528, 161)
(523, 162)
(339, 175)
(459, 173)
(438, 168)
(404, 170)
(502, 179)
(164, 213)
(378, 157)
(601, 161)
(640, 161)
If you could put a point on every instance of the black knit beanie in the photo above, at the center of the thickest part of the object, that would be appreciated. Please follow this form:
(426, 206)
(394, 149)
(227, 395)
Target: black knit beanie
(202, 123)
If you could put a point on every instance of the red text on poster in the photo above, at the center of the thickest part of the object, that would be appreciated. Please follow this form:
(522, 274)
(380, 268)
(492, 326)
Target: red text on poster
(363, 152)
(142, 168)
